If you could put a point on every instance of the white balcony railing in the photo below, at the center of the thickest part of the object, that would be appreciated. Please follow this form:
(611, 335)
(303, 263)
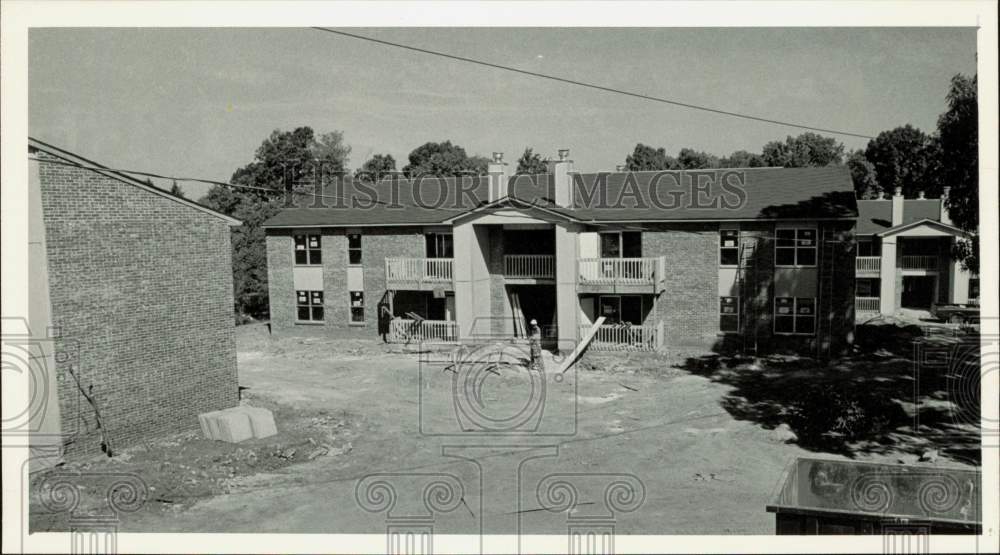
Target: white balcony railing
(868, 264)
(402, 330)
(529, 265)
(624, 337)
(921, 262)
(624, 271)
(867, 305)
(419, 269)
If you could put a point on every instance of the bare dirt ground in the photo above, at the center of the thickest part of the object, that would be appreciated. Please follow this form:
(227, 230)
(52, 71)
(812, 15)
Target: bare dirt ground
(708, 438)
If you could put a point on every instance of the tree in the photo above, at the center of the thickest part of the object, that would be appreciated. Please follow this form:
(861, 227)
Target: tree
(283, 156)
(904, 157)
(176, 191)
(443, 160)
(690, 159)
(377, 167)
(531, 163)
(808, 149)
(647, 158)
(958, 163)
(742, 159)
(863, 175)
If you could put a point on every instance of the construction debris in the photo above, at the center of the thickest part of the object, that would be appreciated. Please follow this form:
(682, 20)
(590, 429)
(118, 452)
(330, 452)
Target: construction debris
(237, 424)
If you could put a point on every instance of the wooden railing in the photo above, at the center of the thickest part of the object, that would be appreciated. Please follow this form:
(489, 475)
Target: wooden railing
(403, 330)
(625, 271)
(868, 264)
(867, 305)
(921, 262)
(624, 337)
(419, 269)
(529, 265)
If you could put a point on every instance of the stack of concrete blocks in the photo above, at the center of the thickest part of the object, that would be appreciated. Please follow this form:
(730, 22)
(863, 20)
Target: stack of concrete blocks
(237, 424)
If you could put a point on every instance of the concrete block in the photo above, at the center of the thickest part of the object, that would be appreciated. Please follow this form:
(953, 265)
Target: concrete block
(261, 421)
(204, 420)
(232, 426)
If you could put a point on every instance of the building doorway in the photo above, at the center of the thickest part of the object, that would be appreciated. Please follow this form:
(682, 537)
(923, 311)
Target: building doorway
(919, 292)
(533, 302)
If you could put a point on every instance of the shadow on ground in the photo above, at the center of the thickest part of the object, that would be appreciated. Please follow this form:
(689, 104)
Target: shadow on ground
(875, 401)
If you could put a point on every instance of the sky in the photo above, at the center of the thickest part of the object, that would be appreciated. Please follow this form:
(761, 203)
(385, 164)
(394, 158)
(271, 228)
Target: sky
(198, 102)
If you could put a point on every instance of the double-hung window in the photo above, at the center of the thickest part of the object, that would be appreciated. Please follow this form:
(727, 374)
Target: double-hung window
(729, 247)
(729, 314)
(308, 251)
(309, 306)
(354, 249)
(795, 315)
(357, 307)
(795, 247)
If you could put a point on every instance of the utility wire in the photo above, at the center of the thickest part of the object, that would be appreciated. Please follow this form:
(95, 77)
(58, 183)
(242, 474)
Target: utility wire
(593, 86)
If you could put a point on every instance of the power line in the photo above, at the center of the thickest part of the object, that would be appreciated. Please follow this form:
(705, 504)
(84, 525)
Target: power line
(593, 86)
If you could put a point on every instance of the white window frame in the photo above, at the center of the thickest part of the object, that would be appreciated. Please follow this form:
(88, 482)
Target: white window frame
(621, 242)
(309, 304)
(307, 249)
(796, 248)
(739, 243)
(642, 304)
(739, 315)
(795, 316)
(359, 248)
(438, 243)
(351, 307)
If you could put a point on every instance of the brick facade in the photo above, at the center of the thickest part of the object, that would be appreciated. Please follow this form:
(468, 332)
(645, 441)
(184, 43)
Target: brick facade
(143, 285)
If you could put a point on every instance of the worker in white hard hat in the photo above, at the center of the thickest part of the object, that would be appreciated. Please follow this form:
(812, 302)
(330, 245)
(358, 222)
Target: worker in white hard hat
(535, 343)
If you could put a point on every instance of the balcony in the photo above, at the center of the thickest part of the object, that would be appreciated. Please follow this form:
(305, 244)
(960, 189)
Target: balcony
(921, 262)
(403, 330)
(622, 275)
(529, 267)
(624, 337)
(868, 265)
(422, 274)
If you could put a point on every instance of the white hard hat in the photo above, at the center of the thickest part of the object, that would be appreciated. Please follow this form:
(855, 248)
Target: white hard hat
(534, 322)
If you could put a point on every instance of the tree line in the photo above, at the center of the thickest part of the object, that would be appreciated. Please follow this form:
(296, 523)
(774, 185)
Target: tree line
(904, 157)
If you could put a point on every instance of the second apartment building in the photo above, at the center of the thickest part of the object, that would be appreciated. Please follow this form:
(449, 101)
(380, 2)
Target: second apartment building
(759, 259)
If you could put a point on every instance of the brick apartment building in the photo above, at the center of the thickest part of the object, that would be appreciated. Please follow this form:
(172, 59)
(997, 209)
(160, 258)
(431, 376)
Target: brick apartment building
(136, 286)
(759, 259)
(904, 257)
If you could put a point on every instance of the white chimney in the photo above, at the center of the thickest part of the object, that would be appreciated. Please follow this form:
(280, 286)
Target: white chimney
(920, 195)
(620, 168)
(897, 207)
(562, 182)
(497, 171)
(945, 217)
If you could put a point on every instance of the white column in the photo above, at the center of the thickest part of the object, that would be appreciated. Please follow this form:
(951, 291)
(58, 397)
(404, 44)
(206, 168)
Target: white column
(567, 303)
(887, 276)
(472, 295)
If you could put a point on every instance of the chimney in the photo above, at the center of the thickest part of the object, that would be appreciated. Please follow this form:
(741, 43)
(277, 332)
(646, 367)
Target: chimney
(945, 216)
(562, 181)
(497, 171)
(897, 207)
(920, 195)
(621, 168)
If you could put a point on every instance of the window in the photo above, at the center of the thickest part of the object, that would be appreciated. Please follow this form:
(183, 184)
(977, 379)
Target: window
(729, 314)
(354, 249)
(309, 305)
(795, 247)
(357, 307)
(621, 244)
(868, 247)
(973, 288)
(795, 315)
(439, 245)
(307, 250)
(867, 287)
(621, 309)
(729, 247)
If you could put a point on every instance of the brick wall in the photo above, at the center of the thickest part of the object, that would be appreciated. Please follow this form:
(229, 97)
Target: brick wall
(143, 284)
(281, 290)
(689, 305)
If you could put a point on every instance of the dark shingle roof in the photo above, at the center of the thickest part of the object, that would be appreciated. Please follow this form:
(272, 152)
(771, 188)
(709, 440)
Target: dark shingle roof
(875, 216)
(744, 194)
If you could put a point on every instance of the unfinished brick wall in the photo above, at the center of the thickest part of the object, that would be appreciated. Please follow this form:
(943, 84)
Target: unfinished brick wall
(689, 305)
(280, 287)
(143, 284)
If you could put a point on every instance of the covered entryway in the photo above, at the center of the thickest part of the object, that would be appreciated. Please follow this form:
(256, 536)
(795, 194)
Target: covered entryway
(530, 302)
(919, 292)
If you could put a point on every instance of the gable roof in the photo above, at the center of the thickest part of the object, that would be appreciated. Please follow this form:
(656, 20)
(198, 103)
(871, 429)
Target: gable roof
(77, 160)
(875, 216)
(924, 222)
(736, 194)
